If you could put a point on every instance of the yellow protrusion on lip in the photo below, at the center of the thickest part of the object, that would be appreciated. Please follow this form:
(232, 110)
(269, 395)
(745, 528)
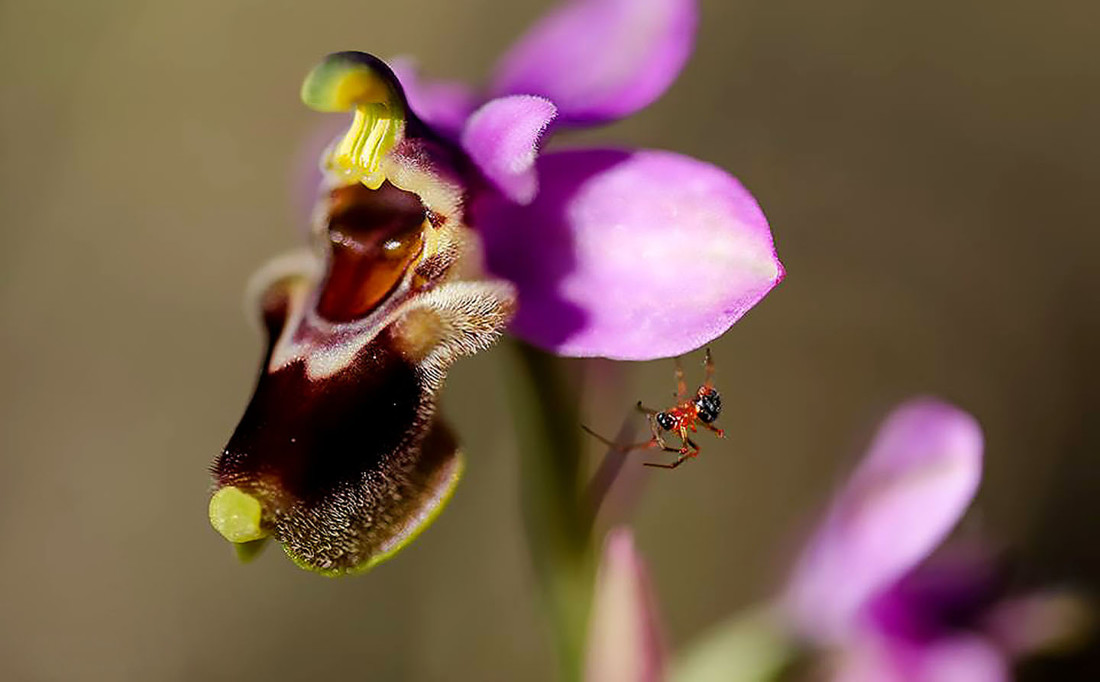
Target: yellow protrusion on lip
(236, 515)
(352, 81)
(373, 133)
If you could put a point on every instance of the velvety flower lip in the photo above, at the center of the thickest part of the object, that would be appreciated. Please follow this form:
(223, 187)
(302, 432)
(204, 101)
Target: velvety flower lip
(917, 480)
(341, 455)
(618, 254)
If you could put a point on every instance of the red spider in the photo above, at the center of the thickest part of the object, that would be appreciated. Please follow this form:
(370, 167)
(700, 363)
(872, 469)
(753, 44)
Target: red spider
(703, 408)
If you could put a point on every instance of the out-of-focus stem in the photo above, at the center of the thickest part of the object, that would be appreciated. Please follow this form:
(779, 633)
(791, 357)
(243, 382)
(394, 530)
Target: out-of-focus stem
(609, 473)
(556, 518)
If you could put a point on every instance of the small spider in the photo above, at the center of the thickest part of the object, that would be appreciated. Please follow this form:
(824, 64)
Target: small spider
(703, 408)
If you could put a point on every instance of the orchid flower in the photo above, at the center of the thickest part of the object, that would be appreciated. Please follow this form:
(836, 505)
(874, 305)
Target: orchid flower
(915, 483)
(340, 455)
(912, 487)
(865, 600)
(869, 589)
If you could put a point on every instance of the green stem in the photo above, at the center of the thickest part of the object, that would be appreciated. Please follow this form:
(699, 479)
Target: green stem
(556, 519)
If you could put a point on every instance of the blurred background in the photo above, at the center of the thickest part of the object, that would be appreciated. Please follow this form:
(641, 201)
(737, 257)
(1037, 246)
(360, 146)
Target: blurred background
(930, 173)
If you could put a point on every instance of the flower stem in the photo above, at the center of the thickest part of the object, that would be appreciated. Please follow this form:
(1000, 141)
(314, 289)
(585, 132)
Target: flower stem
(556, 518)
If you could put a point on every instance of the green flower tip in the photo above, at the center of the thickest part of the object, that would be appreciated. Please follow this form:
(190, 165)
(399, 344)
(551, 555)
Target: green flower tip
(346, 80)
(236, 515)
(363, 84)
(247, 551)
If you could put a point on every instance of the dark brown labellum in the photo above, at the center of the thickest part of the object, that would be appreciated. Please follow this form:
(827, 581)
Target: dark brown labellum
(340, 454)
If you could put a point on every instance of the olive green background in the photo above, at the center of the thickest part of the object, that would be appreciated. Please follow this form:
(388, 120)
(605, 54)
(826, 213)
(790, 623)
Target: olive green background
(930, 173)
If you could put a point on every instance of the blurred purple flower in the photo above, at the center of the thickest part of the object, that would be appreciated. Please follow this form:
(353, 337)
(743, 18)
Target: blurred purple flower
(914, 484)
(594, 239)
(865, 586)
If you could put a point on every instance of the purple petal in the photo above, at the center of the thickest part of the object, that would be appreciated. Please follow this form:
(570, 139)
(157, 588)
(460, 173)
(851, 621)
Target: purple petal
(959, 659)
(630, 255)
(624, 641)
(920, 475)
(443, 105)
(502, 138)
(963, 659)
(599, 60)
(950, 592)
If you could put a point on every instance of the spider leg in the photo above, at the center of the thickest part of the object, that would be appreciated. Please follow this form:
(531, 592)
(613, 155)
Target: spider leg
(673, 465)
(719, 433)
(659, 442)
(689, 447)
(621, 447)
(681, 386)
(684, 452)
(708, 370)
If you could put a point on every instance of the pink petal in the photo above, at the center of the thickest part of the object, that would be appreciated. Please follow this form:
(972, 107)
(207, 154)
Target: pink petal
(599, 60)
(911, 489)
(950, 591)
(630, 255)
(502, 138)
(624, 641)
(963, 659)
(443, 105)
(958, 659)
